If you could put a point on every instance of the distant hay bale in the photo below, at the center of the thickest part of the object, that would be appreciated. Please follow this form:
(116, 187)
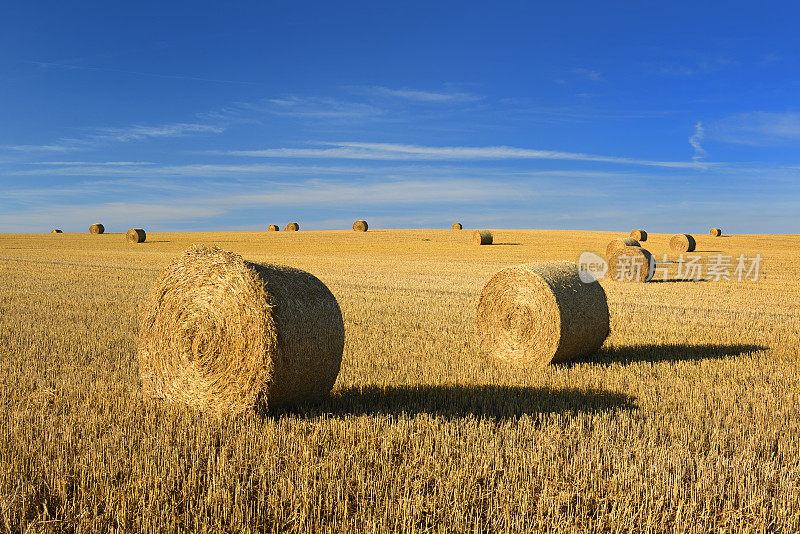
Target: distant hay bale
(715, 232)
(457, 226)
(360, 226)
(682, 243)
(619, 244)
(292, 227)
(273, 228)
(135, 235)
(224, 335)
(56, 231)
(639, 235)
(97, 228)
(631, 264)
(542, 313)
(482, 237)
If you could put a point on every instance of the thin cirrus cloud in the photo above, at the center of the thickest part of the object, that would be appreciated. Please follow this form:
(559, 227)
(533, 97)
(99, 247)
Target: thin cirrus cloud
(136, 132)
(206, 202)
(140, 132)
(758, 128)
(589, 74)
(376, 102)
(695, 139)
(94, 163)
(391, 151)
(417, 95)
(58, 147)
(314, 108)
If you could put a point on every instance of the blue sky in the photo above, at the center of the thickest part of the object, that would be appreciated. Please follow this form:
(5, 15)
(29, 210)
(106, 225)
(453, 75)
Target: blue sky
(671, 116)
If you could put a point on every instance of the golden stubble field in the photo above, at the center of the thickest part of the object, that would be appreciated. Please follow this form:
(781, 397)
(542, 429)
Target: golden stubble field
(686, 421)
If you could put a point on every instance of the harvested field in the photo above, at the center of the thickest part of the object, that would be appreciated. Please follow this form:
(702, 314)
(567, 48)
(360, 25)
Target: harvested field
(685, 420)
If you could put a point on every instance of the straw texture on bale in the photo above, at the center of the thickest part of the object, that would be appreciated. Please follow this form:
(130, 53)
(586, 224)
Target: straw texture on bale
(97, 228)
(542, 313)
(273, 228)
(619, 244)
(55, 231)
(631, 264)
(482, 237)
(360, 226)
(715, 232)
(457, 226)
(639, 235)
(682, 243)
(224, 335)
(292, 227)
(136, 235)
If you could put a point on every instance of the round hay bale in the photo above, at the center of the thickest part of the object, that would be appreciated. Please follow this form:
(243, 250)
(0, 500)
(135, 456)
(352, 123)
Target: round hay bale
(715, 232)
(542, 313)
(482, 237)
(292, 227)
(97, 228)
(273, 228)
(619, 244)
(135, 235)
(639, 235)
(631, 264)
(56, 231)
(224, 335)
(360, 226)
(457, 226)
(682, 243)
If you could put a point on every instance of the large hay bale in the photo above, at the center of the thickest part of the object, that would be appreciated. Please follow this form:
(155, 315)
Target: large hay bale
(360, 226)
(457, 226)
(292, 227)
(682, 243)
(56, 231)
(533, 315)
(273, 228)
(639, 235)
(135, 235)
(97, 228)
(482, 237)
(631, 264)
(715, 232)
(619, 244)
(224, 335)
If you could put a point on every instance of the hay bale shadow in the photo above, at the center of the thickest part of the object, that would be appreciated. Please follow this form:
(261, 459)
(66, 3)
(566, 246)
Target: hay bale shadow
(668, 353)
(458, 401)
(506, 244)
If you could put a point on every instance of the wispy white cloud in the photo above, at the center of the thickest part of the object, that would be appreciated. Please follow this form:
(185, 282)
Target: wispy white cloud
(136, 132)
(313, 108)
(92, 163)
(523, 109)
(695, 139)
(188, 170)
(116, 216)
(206, 201)
(758, 128)
(417, 95)
(692, 66)
(589, 74)
(139, 132)
(142, 180)
(43, 148)
(390, 151)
